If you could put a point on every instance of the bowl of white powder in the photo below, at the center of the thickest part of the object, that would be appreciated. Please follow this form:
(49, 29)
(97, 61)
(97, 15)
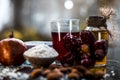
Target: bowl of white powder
(41, 55)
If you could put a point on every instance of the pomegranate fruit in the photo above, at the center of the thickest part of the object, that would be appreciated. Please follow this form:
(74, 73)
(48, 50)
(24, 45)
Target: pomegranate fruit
(101, 44)
(71, 42)
(11, 51)
(101, 47)
(87, 37)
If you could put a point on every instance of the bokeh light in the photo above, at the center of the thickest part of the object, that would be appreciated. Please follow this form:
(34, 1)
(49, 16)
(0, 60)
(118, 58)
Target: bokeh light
(68, 4)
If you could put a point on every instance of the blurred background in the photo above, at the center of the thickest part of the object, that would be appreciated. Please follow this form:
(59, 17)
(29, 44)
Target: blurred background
(30, 19)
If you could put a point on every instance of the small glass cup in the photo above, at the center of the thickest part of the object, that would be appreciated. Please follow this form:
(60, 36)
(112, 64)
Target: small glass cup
(59, 28)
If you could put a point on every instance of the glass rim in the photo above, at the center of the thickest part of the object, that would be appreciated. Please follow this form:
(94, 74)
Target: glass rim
(59, 20)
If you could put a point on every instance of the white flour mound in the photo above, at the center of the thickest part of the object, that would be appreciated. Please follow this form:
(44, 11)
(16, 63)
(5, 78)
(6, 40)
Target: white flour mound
(41, 51)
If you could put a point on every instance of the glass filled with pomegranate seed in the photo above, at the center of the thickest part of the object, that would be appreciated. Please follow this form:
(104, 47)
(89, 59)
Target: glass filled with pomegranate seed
(60, 28)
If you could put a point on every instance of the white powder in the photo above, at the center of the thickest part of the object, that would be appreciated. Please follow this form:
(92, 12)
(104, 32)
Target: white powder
(42, 51)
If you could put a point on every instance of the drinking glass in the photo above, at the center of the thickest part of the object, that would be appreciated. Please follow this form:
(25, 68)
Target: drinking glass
(59, 28)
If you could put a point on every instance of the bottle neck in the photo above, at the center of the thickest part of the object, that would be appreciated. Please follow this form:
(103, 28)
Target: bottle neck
(90, 28)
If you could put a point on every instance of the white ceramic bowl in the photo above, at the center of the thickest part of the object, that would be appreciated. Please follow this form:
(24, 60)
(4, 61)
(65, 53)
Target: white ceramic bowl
(41, 55)
(40, 62)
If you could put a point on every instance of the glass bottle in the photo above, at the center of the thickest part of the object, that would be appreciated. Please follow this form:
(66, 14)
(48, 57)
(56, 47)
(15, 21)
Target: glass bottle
(97, 25)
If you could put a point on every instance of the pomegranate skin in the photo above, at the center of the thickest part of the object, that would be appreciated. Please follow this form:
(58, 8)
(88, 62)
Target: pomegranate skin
(11, 52)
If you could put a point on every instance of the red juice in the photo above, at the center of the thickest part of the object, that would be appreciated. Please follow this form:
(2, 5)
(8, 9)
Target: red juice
(58, 44)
